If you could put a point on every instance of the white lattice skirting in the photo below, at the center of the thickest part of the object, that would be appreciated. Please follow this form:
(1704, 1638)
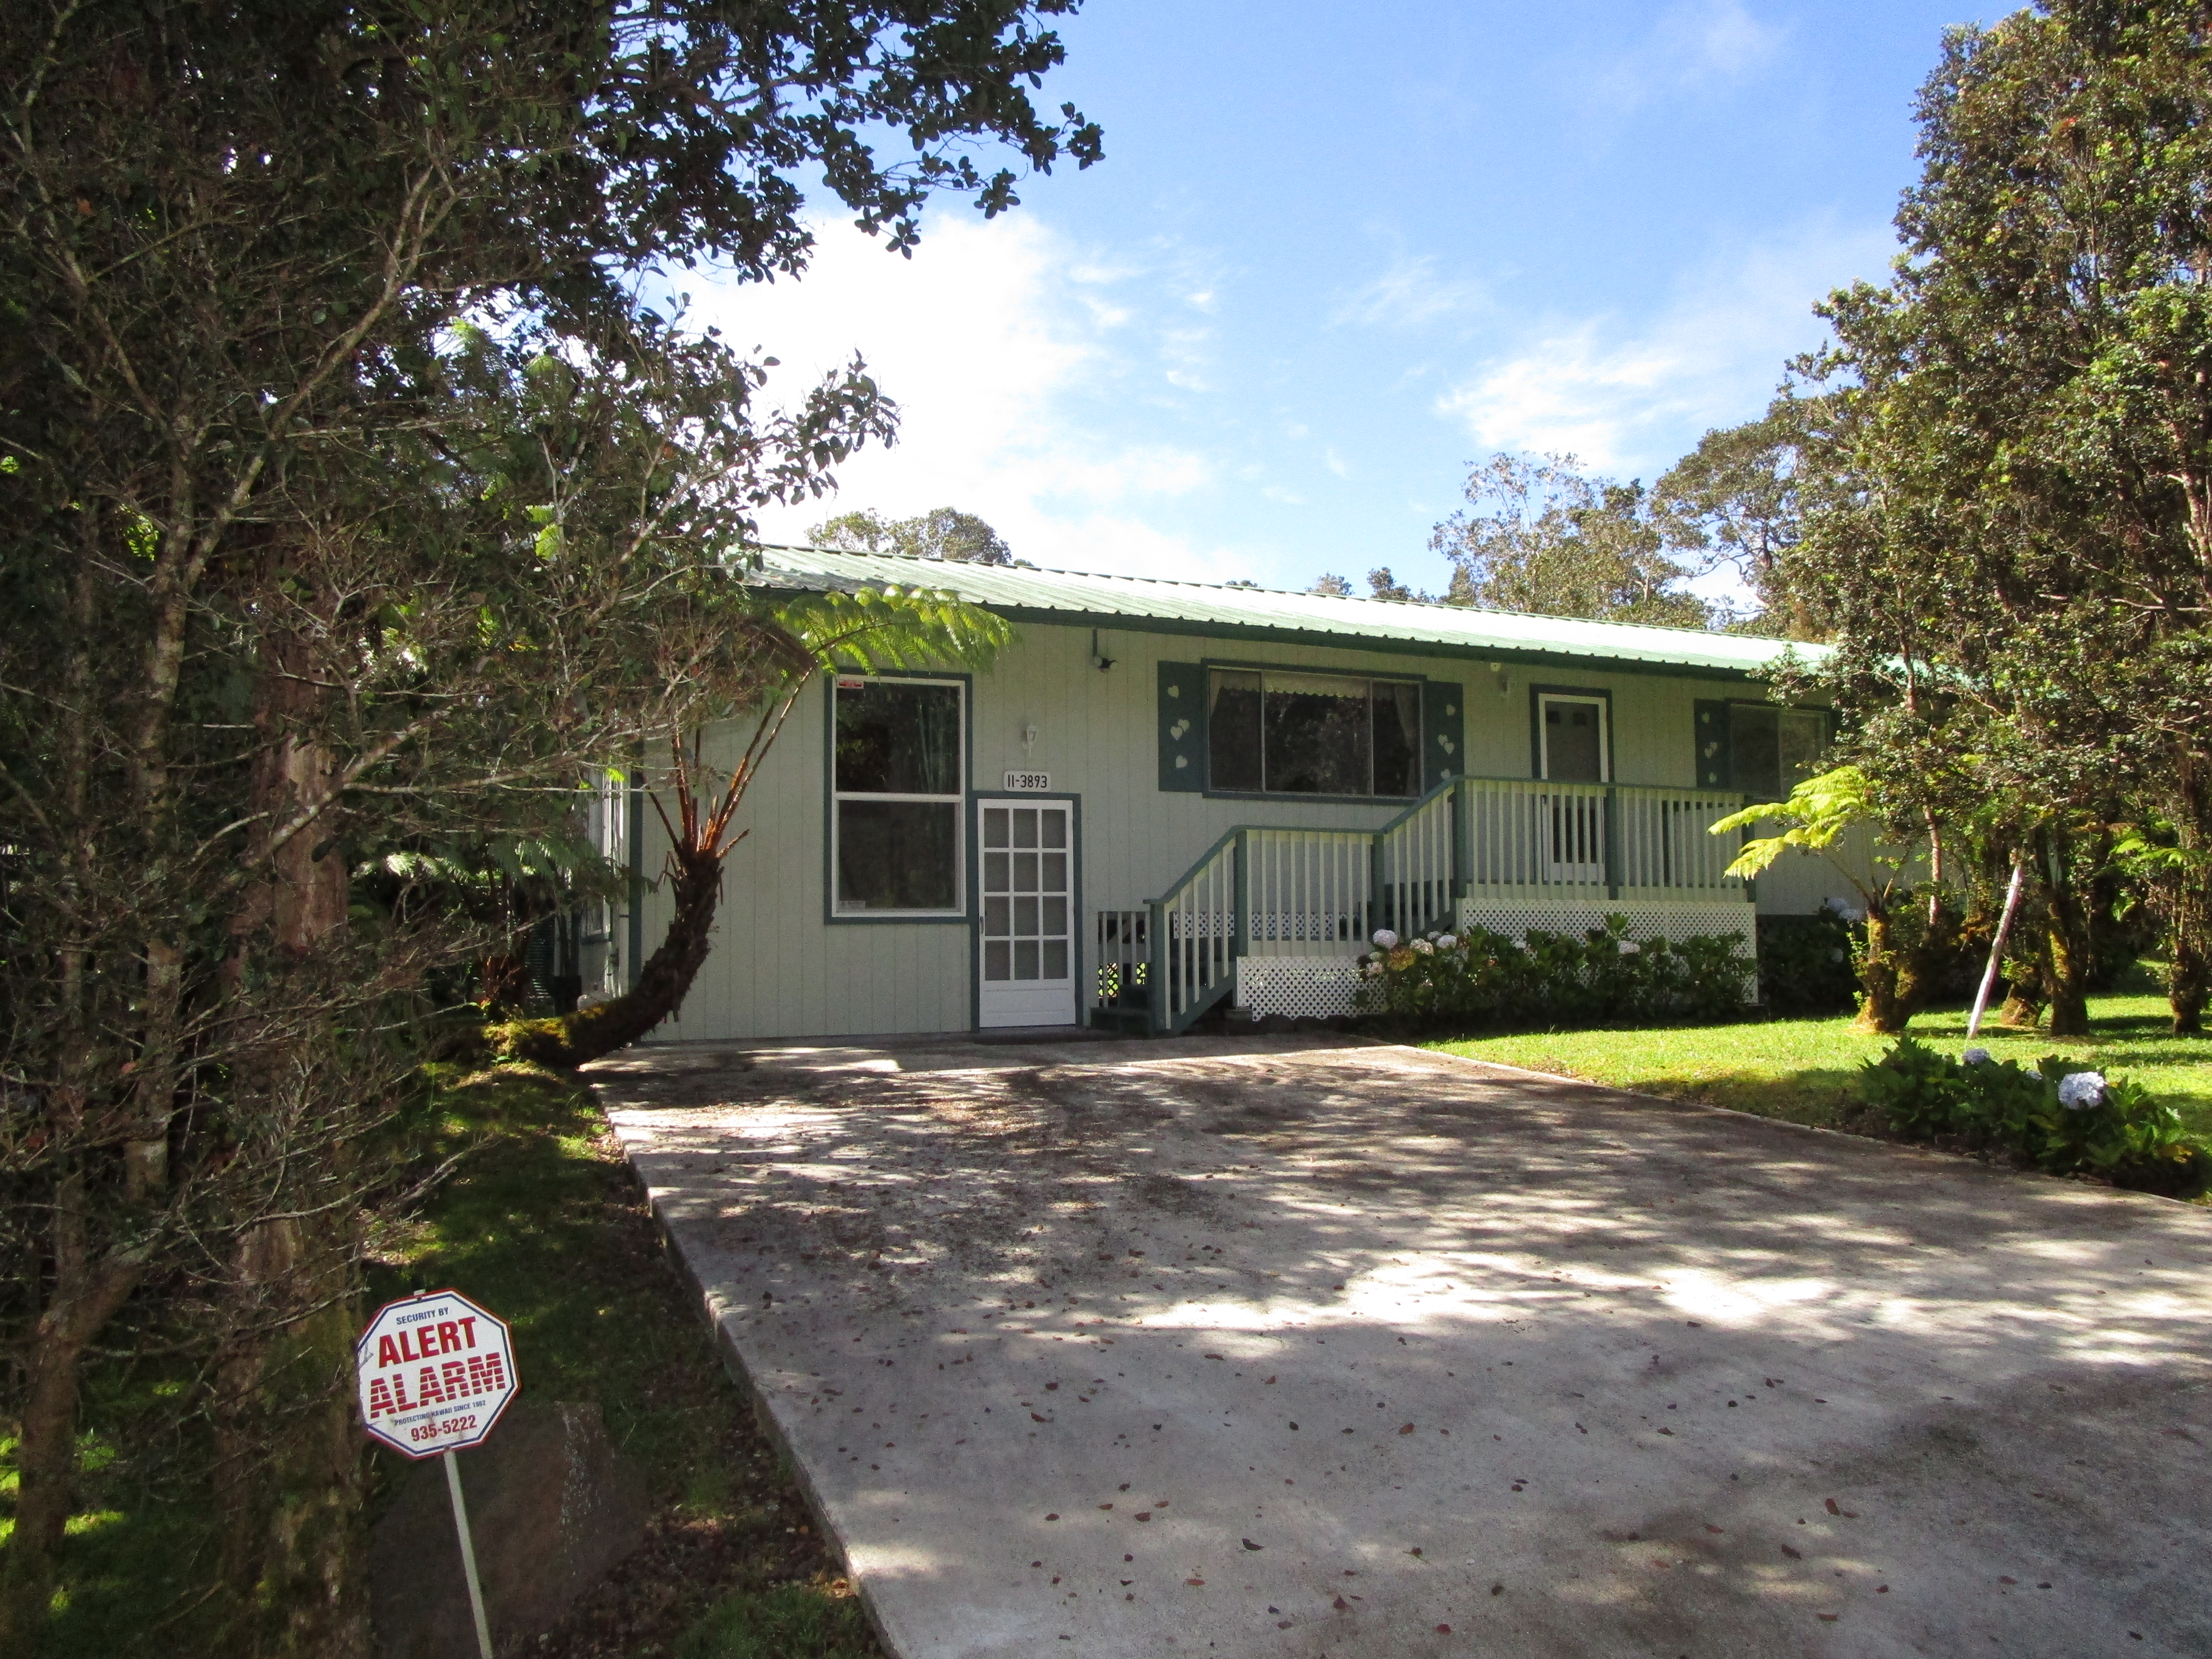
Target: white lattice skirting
(1296, 988)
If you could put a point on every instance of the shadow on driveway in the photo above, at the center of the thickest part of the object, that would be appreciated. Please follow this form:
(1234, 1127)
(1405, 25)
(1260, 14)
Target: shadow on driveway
(1295, 1348)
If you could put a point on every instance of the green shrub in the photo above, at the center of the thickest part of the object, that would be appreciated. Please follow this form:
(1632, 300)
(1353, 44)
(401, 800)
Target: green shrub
(1482, 978)
(2109, 1127)
(1805, 965)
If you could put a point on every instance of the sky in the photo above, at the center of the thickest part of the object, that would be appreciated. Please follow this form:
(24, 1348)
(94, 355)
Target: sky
(1336, 255)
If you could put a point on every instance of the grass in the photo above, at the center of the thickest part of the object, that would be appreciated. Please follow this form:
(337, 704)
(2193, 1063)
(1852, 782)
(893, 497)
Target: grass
(1804, 1070)
(542, 1223)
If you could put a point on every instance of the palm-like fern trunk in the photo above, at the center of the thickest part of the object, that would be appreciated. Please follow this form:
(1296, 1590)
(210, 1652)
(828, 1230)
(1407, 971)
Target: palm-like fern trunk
(662, 982)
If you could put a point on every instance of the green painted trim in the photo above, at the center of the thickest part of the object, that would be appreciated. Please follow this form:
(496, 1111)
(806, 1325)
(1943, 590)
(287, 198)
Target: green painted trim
(1516, 657)
(1448, 785)
(960, 918)
(1536, 695)
(1204, 858)
(635, 834)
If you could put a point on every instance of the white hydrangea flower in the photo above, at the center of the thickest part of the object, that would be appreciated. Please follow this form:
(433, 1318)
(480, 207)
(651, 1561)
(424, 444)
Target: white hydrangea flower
(2079, 1091)
(1385, 939)
(1425, 947)
(1373, 970)
(1629, 947)
(1975, 1057)
(1447, 942)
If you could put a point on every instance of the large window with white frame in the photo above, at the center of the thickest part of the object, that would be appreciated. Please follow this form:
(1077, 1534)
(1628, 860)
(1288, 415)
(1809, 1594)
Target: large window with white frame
(1287, 732)
(899, 764)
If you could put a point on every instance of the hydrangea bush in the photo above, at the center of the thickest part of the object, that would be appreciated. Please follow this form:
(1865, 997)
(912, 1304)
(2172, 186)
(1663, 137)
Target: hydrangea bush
(2059, 1114)
(1481, 979)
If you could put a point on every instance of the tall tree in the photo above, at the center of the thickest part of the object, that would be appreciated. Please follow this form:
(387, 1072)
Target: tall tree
(2029, 411)
(281, 568)
(1543, 536)
(943, 532)
(1733, 502)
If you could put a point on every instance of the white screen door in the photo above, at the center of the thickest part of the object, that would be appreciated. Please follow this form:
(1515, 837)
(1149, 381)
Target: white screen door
(1027, 954)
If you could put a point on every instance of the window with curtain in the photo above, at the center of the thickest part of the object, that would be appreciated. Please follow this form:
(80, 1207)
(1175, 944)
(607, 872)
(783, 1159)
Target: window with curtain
(1288, 733)
(897, 774)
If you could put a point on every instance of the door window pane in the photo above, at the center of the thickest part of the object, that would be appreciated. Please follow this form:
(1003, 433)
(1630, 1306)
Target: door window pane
(897, 739)
(897, 854)
(1574, 741)
(1233, 732)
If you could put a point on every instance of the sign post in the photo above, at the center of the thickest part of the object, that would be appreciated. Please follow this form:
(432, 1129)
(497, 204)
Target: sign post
(436, 1370)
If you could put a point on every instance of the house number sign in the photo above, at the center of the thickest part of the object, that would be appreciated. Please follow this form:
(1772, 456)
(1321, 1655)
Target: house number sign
(1029, 782)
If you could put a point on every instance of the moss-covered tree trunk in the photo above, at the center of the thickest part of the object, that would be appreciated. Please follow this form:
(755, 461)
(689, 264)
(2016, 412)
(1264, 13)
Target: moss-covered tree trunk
(2072, 951)
(1880, 1007)
(2188, 906)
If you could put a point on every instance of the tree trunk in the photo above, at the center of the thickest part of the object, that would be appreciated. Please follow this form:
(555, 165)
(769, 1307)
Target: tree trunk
(2072, 948)
(287, 1459)
(662, 983)
(45, 1451)
(2189, 908)
(1921, 964)
(2024, 995)
(1880, 1009)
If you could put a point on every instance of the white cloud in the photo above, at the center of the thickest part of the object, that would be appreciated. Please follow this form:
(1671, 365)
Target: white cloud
(1693, 46)
(989, 339)
(1625, 398)
(1409, 293)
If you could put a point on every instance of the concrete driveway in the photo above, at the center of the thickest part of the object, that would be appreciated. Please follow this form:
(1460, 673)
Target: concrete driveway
(1298, 1348)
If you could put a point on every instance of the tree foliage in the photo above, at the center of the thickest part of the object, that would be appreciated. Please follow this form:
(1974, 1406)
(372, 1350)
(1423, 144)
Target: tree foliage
(352, 498)
(943, 532)
(1544, 537)
(2013, 539)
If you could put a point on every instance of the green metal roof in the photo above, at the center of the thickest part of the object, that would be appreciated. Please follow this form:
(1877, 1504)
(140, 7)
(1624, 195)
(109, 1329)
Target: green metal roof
(1142, 604)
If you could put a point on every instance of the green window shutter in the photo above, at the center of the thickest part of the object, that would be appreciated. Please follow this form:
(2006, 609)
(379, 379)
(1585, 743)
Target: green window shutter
(1182, 725)
(1443, 732)
(1714, 767)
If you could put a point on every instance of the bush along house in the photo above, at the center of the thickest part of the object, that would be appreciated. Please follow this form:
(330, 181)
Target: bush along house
(1167, 797)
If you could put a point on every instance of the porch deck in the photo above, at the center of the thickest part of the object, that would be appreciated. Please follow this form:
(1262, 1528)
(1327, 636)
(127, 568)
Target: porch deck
(1275, 917)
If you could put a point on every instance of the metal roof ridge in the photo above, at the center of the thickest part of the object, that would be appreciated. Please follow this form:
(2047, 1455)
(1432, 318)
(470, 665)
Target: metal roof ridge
(1293, 594)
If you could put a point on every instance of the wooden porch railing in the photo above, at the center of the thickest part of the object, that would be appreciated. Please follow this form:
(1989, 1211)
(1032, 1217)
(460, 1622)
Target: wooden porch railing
(1270, 891)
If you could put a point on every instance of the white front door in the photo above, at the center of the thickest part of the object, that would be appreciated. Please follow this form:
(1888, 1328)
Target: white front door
(1026, 926)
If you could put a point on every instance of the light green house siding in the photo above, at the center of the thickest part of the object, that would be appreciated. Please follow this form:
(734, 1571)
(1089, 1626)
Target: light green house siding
(781, 968)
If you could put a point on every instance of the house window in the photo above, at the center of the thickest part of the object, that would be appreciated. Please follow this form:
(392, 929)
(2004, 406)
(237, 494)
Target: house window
(1772, 750)
(896, 789)
(1277, 732)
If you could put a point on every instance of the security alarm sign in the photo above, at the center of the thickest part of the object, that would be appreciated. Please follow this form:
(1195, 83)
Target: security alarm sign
(435, 1371)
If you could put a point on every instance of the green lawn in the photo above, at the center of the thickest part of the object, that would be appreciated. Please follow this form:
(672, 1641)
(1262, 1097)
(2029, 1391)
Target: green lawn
(1803, 1069)
(542, 1222)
